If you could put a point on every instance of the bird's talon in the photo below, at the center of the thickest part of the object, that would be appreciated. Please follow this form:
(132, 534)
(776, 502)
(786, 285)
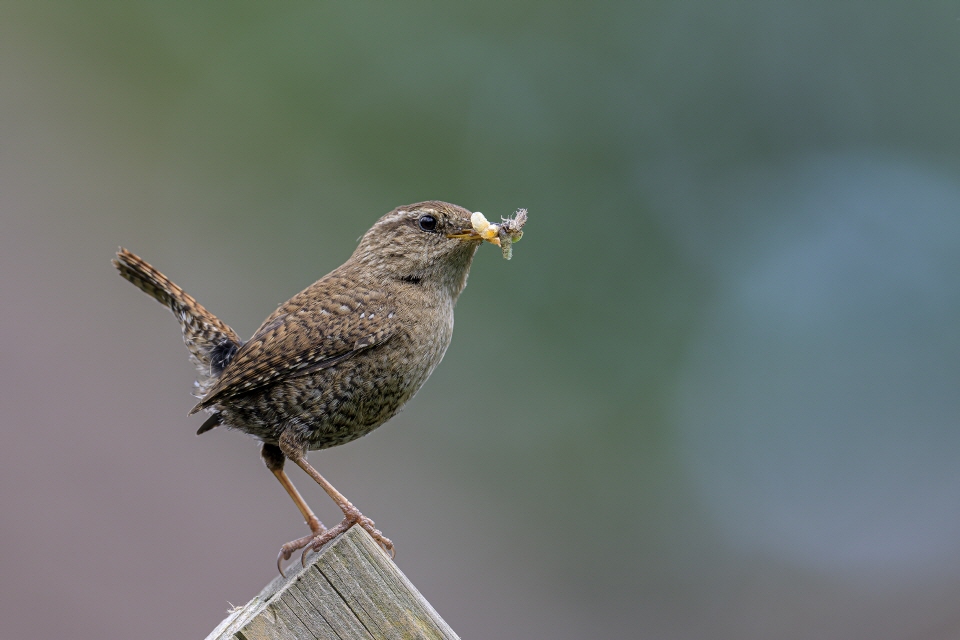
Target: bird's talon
(377, 535)
(287, 550)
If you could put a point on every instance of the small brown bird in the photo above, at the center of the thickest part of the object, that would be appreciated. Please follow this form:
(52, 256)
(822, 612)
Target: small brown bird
(338, 359)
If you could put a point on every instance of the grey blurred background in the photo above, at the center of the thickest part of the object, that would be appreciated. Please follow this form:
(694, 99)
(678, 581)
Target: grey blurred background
(714, 395)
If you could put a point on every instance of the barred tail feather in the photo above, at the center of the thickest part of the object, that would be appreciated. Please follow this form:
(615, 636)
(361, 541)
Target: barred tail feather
(211, 343)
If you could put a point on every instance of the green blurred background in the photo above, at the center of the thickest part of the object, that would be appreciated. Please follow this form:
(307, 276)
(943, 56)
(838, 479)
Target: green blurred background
(714, 394)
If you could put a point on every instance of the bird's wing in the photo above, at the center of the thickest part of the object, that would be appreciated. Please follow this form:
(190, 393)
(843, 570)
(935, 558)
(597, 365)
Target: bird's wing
(308, 333)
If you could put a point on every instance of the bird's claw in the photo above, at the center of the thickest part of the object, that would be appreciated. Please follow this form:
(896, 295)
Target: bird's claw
(286, 551)
(355, 517)
(315, 543)
(377, 535)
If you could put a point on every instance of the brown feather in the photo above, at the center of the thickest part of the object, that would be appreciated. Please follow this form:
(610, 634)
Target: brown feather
(291, 342)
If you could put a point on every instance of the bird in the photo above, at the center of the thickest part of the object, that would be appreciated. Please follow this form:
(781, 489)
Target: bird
(336, 360)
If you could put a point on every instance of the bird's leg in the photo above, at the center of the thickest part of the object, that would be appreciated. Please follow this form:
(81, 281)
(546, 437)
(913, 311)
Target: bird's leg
(273, 458)
(351, 515)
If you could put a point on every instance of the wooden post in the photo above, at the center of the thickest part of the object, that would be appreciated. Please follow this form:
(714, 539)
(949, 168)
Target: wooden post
(351, 589)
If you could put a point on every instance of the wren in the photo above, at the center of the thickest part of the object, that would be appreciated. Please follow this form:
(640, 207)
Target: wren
(338, 359)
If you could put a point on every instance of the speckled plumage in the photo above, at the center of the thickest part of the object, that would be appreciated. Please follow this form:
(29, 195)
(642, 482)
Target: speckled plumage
(335, 362)
(341, 357)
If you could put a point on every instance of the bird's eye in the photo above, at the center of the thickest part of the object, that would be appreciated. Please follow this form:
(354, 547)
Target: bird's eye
(427, 223)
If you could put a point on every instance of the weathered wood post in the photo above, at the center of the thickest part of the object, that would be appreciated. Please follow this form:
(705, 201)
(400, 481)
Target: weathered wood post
(351, 589)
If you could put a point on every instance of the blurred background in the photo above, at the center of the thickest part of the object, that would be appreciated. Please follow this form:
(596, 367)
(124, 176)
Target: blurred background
(714, 394)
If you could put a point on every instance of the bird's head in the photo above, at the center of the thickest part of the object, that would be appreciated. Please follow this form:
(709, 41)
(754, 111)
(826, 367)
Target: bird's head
(428, 243)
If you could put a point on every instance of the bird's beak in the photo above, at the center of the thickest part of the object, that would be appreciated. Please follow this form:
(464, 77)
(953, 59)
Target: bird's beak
(469, 233)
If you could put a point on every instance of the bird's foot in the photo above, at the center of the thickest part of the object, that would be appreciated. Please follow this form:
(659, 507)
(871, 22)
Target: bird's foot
(286, 551)
(351, 516)
(385, 543)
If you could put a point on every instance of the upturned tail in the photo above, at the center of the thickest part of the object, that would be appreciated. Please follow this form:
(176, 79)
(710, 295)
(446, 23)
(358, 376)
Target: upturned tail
(211, 343)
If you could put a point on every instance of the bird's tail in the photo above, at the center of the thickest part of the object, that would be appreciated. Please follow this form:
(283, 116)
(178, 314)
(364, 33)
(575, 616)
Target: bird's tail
(211, 343)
